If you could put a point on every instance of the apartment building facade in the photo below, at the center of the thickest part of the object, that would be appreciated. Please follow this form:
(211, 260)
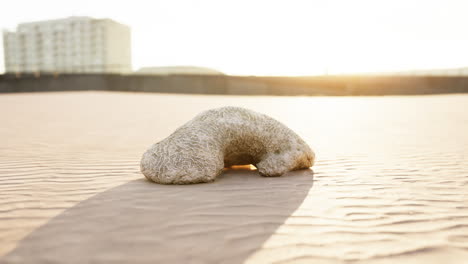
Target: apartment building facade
(70, 45)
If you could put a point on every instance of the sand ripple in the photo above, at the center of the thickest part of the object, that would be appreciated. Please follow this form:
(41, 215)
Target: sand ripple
(390, 184)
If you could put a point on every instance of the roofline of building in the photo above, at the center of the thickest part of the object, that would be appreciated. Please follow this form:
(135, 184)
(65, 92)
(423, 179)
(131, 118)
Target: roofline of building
(66, 18)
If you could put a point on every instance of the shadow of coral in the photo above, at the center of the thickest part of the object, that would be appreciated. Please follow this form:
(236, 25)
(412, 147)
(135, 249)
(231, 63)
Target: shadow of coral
(141, 222)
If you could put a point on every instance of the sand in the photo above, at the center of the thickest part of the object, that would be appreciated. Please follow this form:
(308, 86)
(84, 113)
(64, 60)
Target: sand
(390, 184)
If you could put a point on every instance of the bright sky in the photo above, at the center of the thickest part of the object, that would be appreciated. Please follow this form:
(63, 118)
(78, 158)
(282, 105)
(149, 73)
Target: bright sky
(291, 37)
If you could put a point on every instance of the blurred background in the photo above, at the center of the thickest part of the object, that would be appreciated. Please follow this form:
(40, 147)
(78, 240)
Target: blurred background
(239, 38)
(276, 37)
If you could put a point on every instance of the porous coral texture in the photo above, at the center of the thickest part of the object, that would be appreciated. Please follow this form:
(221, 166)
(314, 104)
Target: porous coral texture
(199, 150)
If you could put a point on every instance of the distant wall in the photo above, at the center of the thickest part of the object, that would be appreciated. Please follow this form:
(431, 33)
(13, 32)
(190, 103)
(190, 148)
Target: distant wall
(237, 85)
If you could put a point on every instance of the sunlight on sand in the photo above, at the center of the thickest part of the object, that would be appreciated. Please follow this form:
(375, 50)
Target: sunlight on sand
(389, 184)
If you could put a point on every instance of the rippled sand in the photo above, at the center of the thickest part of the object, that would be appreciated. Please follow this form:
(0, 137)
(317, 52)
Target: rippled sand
(390, 184)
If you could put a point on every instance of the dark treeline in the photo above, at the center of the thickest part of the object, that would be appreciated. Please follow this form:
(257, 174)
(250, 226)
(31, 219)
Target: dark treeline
(236, 85)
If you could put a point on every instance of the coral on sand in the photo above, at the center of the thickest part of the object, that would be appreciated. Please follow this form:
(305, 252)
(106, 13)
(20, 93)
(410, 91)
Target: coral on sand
(199, 150)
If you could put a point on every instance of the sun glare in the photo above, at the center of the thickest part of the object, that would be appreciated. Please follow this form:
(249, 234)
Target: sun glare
(278, 37)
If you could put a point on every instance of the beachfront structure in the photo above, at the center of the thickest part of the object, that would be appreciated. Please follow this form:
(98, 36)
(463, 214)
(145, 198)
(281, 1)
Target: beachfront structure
(70, 45)
(168, 70)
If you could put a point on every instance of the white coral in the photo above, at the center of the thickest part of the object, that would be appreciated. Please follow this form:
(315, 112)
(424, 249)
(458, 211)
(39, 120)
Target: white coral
(199, 150)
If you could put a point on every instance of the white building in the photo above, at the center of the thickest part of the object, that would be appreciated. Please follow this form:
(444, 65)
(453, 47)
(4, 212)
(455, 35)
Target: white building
(70, 45)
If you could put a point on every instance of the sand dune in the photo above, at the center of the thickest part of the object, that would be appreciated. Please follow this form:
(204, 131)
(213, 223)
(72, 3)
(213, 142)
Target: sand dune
(390, 184)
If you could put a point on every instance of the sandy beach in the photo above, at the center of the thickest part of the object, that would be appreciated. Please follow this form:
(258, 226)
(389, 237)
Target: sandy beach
(390, 184)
